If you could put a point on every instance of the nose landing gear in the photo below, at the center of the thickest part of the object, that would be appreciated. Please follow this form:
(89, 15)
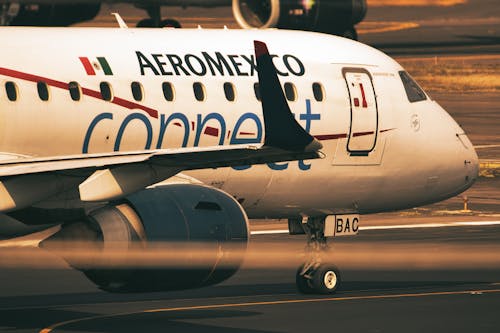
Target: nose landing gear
(155, 20)
(314, 276)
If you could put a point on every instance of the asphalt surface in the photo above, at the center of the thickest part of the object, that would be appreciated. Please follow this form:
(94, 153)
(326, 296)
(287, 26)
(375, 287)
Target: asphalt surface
(394, 299)
(470, 27)
(265, 299)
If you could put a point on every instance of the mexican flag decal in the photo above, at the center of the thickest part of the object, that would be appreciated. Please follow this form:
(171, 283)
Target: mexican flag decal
(92, 67)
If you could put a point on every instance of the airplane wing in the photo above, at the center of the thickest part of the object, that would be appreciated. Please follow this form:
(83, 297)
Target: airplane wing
(185, 158)
(112, 175)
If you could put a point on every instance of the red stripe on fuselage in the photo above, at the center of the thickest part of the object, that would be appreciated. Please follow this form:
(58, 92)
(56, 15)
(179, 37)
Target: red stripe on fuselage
(363, 134)
(324, 137)
(86, 91)
(212, 131)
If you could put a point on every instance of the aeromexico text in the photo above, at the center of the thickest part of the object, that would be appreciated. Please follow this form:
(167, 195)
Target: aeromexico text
(214, 63)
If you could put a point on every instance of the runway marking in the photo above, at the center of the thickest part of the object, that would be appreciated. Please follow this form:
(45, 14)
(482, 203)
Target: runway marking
(31, 242)
(421, 3)
(450, 58)
(400, 226)
(269, 232)
(379, 27)
(486, 146)
(433, 225)
(281, 302)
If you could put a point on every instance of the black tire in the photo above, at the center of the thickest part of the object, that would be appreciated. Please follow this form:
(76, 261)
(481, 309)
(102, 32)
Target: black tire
(169, 23)
(326, 279)
(145, 23)
(303, 284)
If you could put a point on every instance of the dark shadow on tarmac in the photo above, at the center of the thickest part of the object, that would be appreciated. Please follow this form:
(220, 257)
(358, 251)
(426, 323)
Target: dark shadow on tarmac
(18, 303)
(37, 319)
(36, 312)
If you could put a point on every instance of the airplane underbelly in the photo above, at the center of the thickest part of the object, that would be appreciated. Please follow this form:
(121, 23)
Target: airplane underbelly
(246, 187)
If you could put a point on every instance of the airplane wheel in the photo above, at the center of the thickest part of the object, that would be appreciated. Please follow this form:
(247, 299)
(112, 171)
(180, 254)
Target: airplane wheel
(303, 283)
(326, 279)
(145, 23)
(169, 23)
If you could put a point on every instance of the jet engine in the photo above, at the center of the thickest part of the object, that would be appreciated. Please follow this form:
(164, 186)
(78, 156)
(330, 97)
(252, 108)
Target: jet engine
(204, 231)
(329, 16)
(51, 14)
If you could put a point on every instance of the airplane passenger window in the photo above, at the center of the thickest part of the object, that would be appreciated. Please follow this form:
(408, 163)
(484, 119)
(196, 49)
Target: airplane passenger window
(229, 91)
(74, 91)
(199, 91)
(413, 91)
(11, 90)
(318, 91)
(137, 91)
(43, 91)
(106, 92)
(168, 91)
(290, 92)
(256, 90)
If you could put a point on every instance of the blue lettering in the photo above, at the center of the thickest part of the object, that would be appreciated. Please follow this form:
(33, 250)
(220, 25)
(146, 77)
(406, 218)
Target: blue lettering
(242, 167)
(90, 130)
(127, 120)
(235, 140)
(308, 117)
(218, 130)
(164, 124)
(202, 123)
(277, 167)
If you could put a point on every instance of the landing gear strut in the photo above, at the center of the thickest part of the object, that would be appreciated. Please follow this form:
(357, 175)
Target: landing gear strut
(314, 276)
(154, 20)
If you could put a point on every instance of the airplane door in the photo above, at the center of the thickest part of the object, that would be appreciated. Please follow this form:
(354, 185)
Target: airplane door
(364, 114)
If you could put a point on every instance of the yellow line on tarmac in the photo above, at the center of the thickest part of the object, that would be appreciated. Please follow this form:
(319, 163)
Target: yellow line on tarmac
(378, 27)
(248, 304)
(413, 3)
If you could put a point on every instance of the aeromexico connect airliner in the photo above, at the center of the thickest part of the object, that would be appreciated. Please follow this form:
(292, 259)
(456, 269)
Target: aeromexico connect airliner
(127, 135)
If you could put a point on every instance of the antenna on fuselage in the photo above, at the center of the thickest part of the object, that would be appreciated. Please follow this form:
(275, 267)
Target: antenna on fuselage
(121, 22)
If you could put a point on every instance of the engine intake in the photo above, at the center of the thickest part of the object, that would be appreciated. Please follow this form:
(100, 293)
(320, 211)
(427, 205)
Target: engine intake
(329, 16)
(182, 216)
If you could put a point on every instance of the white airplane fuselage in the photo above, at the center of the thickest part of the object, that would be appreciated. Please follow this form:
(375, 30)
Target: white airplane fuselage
(381, 151)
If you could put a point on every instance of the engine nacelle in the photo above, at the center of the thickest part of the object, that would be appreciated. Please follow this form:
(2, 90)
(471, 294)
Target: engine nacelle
(184, 216)
(55, 14)
(329, 16)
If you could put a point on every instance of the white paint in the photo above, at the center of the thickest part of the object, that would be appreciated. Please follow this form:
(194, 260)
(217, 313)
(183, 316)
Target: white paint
(400, 226)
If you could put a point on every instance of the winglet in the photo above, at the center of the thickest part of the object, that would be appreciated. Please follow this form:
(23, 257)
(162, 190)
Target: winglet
(282, 130)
